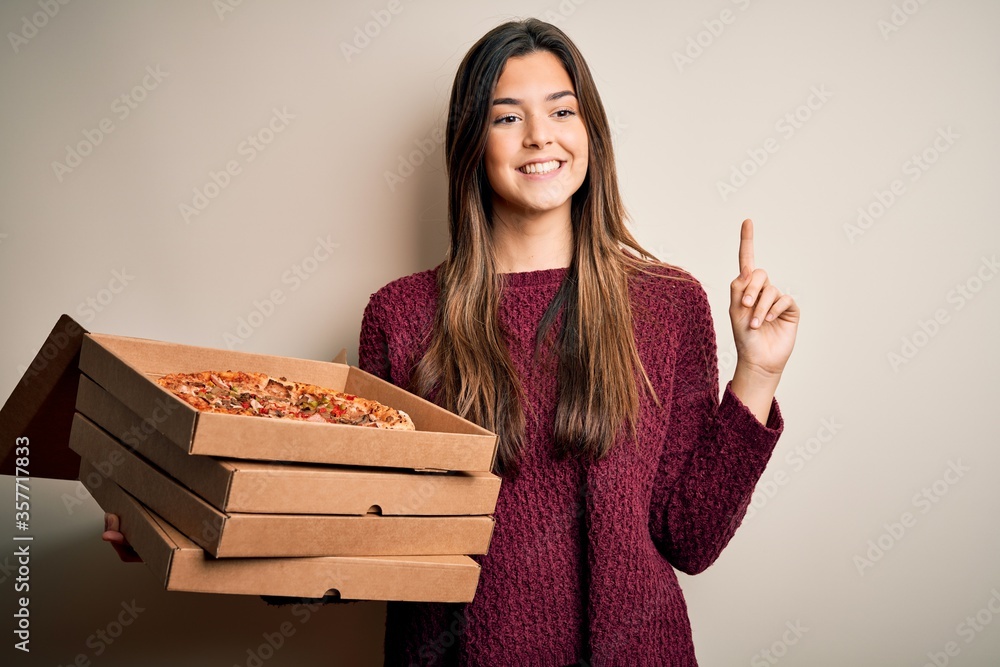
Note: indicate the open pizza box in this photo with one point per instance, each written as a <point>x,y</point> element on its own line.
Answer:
<point>262,535</point>
<point>42,403</point>
<point>126,368</point>
<point>180,565</point>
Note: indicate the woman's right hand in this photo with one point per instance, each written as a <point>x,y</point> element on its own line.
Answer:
<point>117,540</point>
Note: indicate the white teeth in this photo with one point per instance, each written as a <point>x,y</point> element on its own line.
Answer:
<point>540,167</point>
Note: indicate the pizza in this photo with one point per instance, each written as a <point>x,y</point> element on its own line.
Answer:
<point>261,395</point>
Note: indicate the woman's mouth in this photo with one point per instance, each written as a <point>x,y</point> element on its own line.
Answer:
<point>539,168</point>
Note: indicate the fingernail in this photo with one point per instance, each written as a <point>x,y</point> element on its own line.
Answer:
<point>748,300</point>
<point>107,523</point>
<point>755,323</point>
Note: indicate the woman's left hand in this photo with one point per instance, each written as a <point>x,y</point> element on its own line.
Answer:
<point>764,320</point>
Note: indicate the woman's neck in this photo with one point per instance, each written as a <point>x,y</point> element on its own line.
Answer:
<point>533,243</point>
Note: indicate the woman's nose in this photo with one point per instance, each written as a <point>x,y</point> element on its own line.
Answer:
<point>537,133</point>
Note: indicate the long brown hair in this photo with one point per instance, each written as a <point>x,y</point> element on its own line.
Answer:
<point>467,367</point>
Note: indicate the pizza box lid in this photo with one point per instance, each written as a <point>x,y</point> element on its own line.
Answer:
<point>41,406</point>
<point>181,565</point>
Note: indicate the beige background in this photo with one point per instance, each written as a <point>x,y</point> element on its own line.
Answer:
<point>892,79</point>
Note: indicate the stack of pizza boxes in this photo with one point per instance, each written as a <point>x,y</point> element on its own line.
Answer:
<point>239,504</point>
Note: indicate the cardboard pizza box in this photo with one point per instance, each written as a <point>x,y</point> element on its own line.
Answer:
<point>39,410</point>
<point>180,565</point>
<point>127,367</point>
<point>234,485</point>
<point>231,534</point>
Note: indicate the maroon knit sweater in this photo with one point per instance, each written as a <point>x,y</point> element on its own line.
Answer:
<point>581,564</point>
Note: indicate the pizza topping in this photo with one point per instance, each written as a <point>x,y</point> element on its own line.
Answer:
<point>258,394</point>
<point>276,389</point>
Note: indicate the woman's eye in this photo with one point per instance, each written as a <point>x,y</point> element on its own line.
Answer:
<point>502,120</point>
<point>565,113</point>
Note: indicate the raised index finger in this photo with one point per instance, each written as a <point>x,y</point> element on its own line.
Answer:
<point>746,247</point>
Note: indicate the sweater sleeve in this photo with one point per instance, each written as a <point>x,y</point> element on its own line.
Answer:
<point>373,347</point>
<point>714,454</point>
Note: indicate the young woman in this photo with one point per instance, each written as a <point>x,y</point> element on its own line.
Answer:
<point>549,324</point>
<point>596,365</point>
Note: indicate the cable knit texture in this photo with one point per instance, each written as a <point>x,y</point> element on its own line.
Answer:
<point>580,569</point>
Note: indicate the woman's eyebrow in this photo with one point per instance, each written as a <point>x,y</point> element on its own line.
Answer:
<point>516,102</point>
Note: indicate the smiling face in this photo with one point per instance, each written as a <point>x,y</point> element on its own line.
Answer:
<point>536,150</point>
